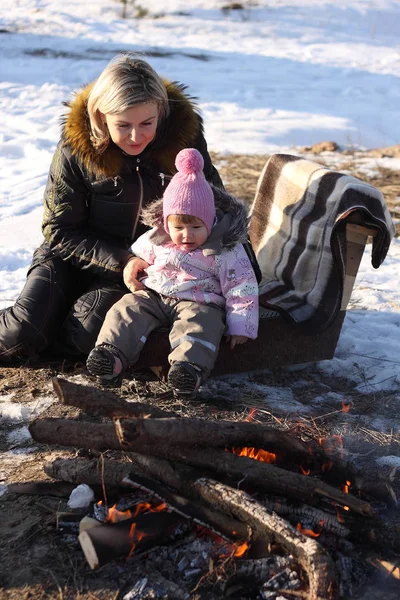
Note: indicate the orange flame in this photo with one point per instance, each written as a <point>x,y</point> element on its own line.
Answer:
<point>251,414</point>
<point>339,517</point>
<point>310,532</point>
<point>304,471</point>
<point>241,550</point>
<point>326,467</point>
<point>115,516</point>
<point>229,550</point>
<point>147,507</point>
<point>346,486</point>
<point>261,455</point>
<point>345,407</point>
<point>136,536</point>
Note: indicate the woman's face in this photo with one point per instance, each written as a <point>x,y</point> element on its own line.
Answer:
<point>134,128</point>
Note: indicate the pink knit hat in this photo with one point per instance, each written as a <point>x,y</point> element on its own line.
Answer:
<point>188,192</point>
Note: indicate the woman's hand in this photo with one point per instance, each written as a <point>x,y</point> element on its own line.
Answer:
<point>130,273</point>
<point>236,340</point>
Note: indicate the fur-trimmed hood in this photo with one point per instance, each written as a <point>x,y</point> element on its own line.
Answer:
<point>179,130</point>
<point>231,225</point>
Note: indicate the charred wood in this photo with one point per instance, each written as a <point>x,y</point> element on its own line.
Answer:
<point>311,556</point>
<point>221,524</point>
<point>303,512</point>
<point>191,432</point>
<point>261,476</point>
<point>369,483</point>
<point>245,574</point>
<point>107,542</point>
<point>102,402</point>
<point>261,568</point>
<point>375,533</point>
<point>380,535</point>
<point>155,585</point>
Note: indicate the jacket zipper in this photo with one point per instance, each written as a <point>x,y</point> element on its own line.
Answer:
<point>140,196</point>
<point>164,178</point>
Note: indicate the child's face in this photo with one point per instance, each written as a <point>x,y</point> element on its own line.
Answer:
<point>187,236</point>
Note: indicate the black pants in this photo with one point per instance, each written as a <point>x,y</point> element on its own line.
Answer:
<point>60,306</point>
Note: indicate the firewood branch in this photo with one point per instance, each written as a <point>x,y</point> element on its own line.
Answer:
<point>89,471</point>
<point>313,558</point>
<point>222,434</point>
<point>102,402</point>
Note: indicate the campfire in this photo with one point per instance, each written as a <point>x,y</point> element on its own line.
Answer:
<point>281,515</point>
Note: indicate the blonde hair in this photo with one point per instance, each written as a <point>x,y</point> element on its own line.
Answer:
<point>183,219</point>
<point>125,82</point>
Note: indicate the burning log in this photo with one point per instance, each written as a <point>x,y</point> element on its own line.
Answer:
<point>220,434</point>
<point>107,542</point>
<point>307,513</point>
<point>315,561</point>
<point>111,473</point>
<point>219,523</point>
<point>261,475</point>
<point>102,402</point>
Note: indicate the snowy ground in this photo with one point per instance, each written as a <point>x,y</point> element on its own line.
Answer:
<point>276,76</point>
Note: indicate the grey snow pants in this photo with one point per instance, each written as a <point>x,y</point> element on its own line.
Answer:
<point>195,334</point>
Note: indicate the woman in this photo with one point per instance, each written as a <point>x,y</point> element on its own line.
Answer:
<point>116,154</point>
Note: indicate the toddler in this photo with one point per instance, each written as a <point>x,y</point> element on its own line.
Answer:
<point>199,283</point>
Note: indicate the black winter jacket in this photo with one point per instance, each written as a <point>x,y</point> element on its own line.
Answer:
<point>93,201</point>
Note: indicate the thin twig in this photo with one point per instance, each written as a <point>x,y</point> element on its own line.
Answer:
<point>103,485</point>
<point>395,362</point>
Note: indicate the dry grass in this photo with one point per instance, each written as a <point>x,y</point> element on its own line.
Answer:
<point>240,173</point>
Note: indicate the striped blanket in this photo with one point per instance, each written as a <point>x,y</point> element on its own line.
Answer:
<point>297,231</point>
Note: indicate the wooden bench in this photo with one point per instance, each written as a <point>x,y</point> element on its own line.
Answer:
<point>279,343</point>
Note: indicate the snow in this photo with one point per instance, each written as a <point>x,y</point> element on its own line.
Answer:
<point>276,76</point>
<point>81,496</point>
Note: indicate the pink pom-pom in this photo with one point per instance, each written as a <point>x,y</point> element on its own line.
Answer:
<point>189,160</point>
